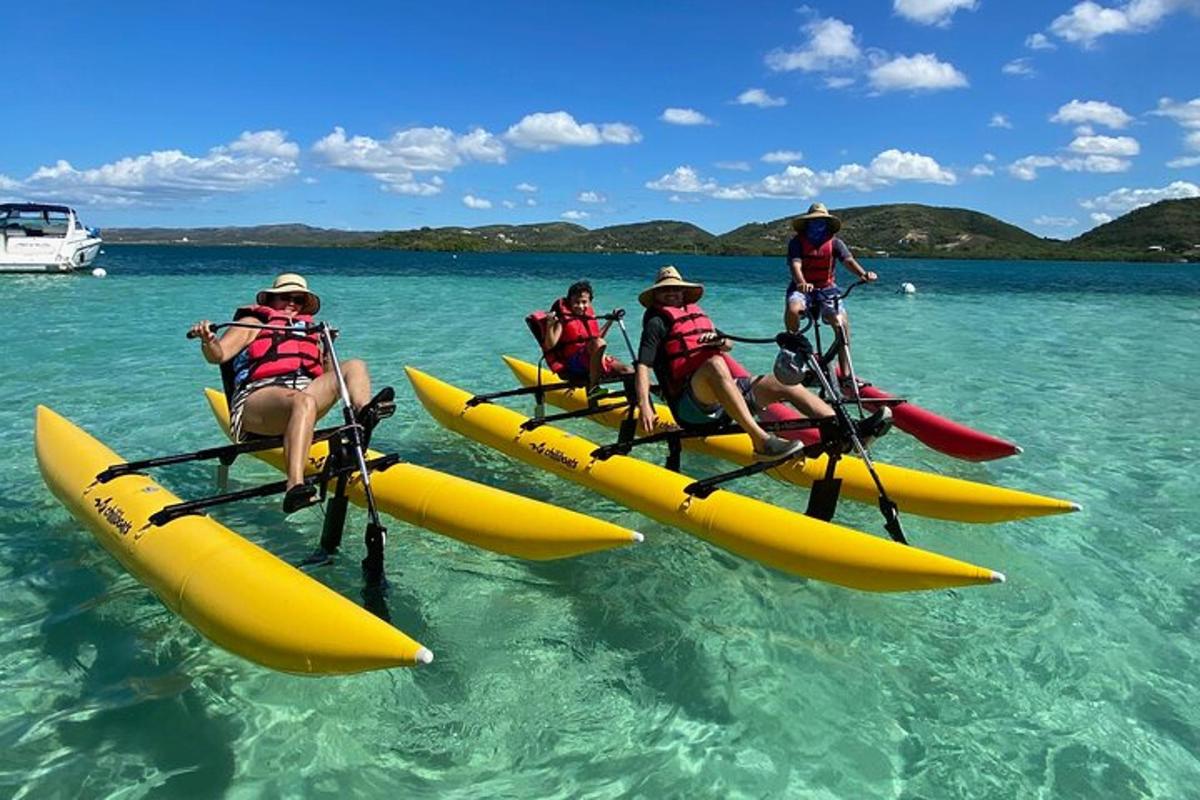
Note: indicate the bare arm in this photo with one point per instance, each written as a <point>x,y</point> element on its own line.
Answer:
<point>865,274</point>
<point>219,350</point>
<point>553,333</point>
<point>645,406</point>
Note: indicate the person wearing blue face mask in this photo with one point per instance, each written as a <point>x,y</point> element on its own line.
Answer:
<point>813,254</point>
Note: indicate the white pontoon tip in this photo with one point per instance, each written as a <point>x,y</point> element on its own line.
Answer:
<point>1076,507</point>
<point>424,656</point>
<point>638,537</point>
<point>998,577</point>
<point>1018,449</point>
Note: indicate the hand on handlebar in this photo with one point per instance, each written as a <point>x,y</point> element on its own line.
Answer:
<point>202,330</point>
<point>870,277</point>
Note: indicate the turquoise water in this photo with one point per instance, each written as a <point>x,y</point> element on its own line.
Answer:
<point>670,669</point>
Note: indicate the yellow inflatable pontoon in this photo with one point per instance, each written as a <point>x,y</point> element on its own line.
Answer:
<point>235,593</point>
<point>777,537</point>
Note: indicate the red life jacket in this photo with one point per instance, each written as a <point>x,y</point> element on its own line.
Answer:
<point>817,262</point>
<point>271,353</point>
<point>577,331</point>
<point>682,352</point>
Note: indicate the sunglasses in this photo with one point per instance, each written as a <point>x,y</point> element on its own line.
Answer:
<point>299,298</point>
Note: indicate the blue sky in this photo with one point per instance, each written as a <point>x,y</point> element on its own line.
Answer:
<point>1051,115</point>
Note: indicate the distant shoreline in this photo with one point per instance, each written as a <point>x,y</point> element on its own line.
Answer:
<point>1167,231</point>
<point>939,256</point>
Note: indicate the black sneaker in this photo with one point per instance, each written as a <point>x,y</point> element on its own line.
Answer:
<point>874,426</point>
<point>778,448</point>
<point>299,496</point>
<point>379,408</point>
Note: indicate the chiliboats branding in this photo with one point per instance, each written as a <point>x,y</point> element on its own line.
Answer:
<point>113,514</point>
<point>554,454</point>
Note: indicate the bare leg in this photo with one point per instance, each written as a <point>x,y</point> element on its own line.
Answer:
<point>596,348</point>
<point>769,390</point>
<point>713,383</point>
<point>275,410</point>
<point>792,315</point>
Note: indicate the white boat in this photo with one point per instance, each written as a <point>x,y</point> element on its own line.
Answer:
<point>35,237</point>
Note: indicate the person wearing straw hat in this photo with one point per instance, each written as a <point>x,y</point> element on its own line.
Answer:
<point>281,380</point>
<point>682,349</point>
<point>812,257</point>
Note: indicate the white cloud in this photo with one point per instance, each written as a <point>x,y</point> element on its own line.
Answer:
<point>529,201</point>
<point>783,156</point>
<point>471,201</point>
<point>591,197</point>
<point>1094,163</point>
<point>677,198</point>
<point>682,179</point>
<point>988,157</point>
<point>409,185</point>
<point>684,116</point>
<point>508,204</point>
<point>1026,168</point>
<point>982,171</point>
<point>1186,114</point>
<point>931,12</point>
<point>758,97</point>
<point>1089,112</point>
<point>526,187</point>
<point>920,72</point>
<point>803,182</point>
<point>265,144</point>
<point>904,166</point>
<point>1184,161</point>
<point>1120,146</point>
<point>1039,41</point>
<point>1088,21</point>
<point>1046,221</point>
<point>829,45</point>
<point>1099,217</point>
<point>999,121</point>
<point>1123,200</point>
<point>838,81</point>
<point>550,131</point>
<point>573,214</point>
<point>1019,66</point>
<point>1084,130</point>
<point>395,161</point>
<point>252,161</point>
<point>737,166</point>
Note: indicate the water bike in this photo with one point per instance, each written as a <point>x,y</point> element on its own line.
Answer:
<point>933,430</point>
<point>252,603</point>
<point>785,540</point>
<point>914,491</point>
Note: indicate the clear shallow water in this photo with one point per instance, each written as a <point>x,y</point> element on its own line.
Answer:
<point>669,669</point>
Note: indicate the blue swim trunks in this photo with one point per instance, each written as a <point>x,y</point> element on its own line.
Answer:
<point>690,412</point>
<point>828,299</point>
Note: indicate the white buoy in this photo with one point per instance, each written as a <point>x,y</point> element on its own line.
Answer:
<point>99,272</point>
<point>907,288</point>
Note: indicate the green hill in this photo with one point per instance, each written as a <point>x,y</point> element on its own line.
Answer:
<point>294,235</point>
<point>1173,225</point>
<point>904,230</point>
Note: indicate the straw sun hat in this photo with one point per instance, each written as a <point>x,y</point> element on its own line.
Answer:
<point>291,283</point>
<point>817,211</point>
<point>667,278</point>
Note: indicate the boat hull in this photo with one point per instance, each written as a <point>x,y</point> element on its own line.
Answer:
<point>479,515</point>
<point>774,536</point>
<point>238,595</point>
<point>915,492</point>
